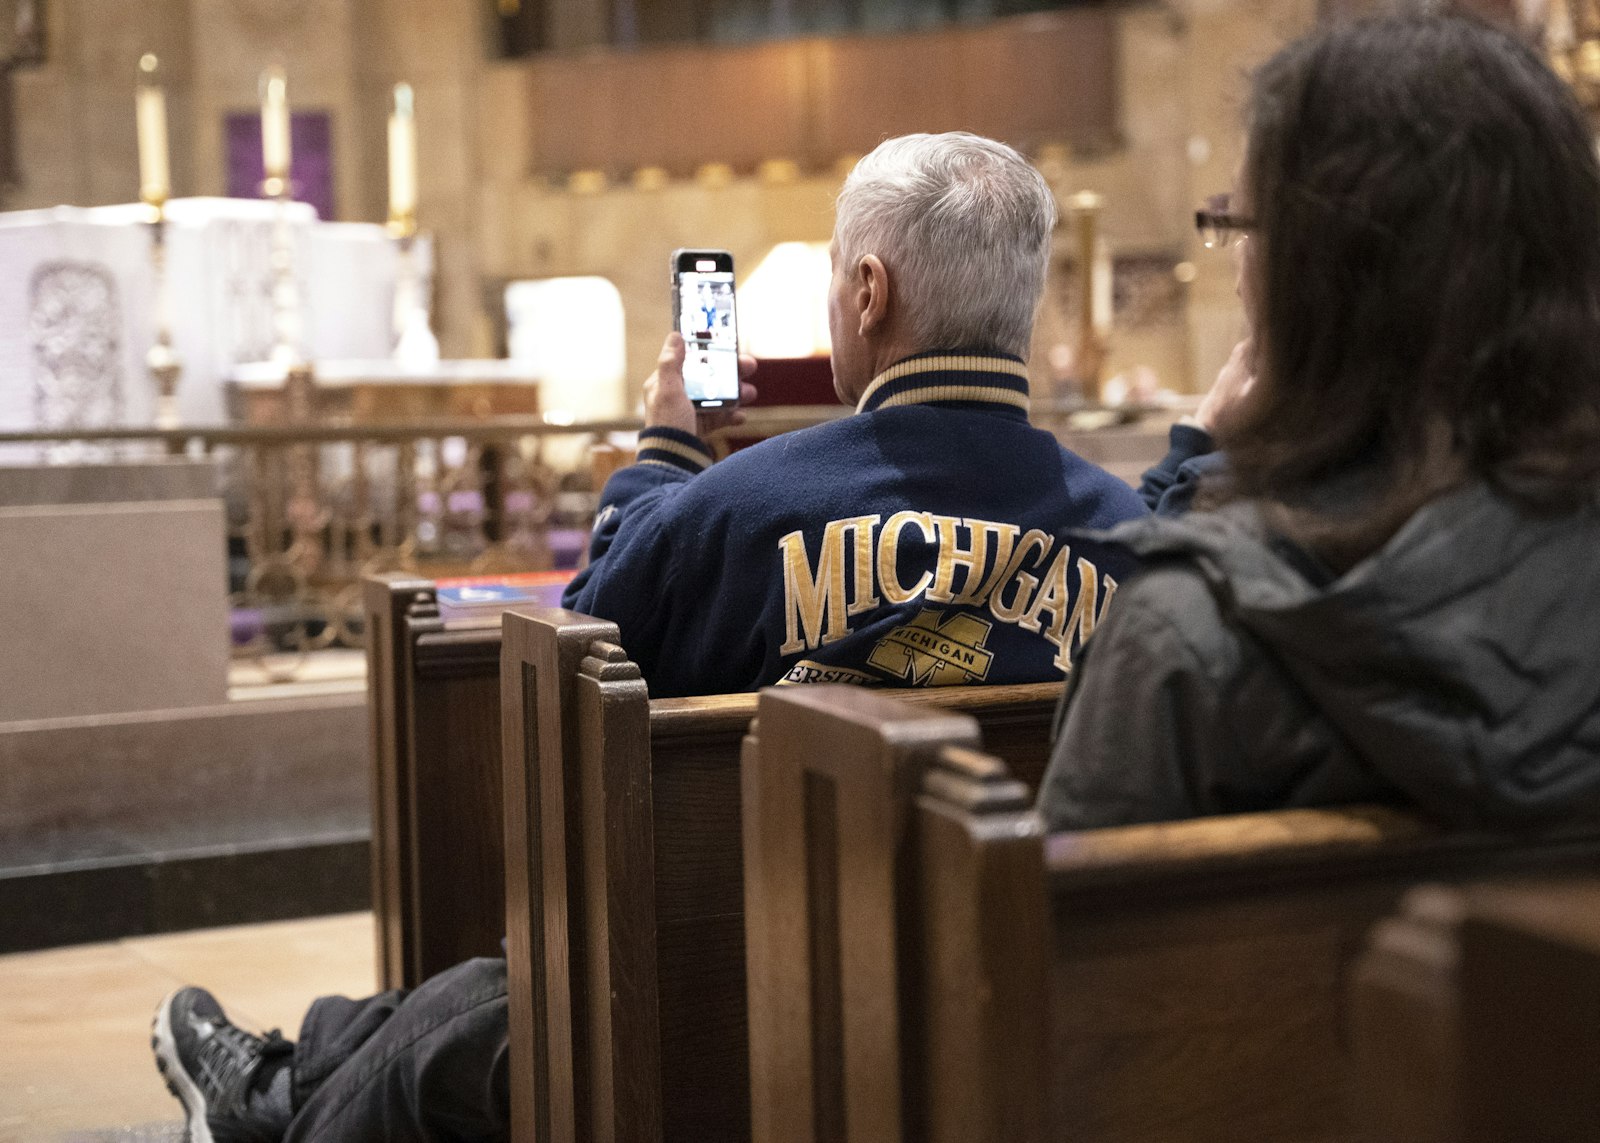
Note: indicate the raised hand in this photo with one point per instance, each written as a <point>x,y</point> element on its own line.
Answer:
<point>667,404</point>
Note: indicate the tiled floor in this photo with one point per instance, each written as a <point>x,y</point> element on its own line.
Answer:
<point>75,1023</point>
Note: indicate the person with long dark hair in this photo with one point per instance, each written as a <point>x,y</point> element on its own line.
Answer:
<point>1395,592</point>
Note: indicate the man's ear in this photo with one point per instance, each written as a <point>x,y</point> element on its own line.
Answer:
<point>872,298</point>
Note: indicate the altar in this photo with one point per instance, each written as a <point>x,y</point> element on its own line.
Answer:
<point>79,298</point>
<point>382,391</point>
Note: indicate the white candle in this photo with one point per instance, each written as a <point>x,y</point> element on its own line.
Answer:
<point>403,158</point>
<point>150,114</point>
<point>275,147</point>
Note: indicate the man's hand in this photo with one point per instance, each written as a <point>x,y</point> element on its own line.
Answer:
<point>1233,382</point>
<point>667,405</point>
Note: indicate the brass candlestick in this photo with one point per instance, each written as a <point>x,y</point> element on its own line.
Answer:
<point>277,151</point>
<point>162,360</point>
<point>155,186</point>
<point>1094,293</point>
<point>285,288</point>
<point>415,345</point>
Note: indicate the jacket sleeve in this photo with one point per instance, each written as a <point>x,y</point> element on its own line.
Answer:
<point>1169,487</point>
<point>631,548</point>
<point>667,458</point>
<point>1144,723</point>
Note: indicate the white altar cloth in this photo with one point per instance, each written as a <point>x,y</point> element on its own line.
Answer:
<point>78,304</point>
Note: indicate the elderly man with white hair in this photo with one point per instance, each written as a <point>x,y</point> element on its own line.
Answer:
<point>926,540</point>
<point>921,542</point>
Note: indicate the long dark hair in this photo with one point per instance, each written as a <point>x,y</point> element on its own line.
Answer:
<point>1427,200</point>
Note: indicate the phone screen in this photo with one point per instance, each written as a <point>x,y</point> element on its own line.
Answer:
<point>706,320</point>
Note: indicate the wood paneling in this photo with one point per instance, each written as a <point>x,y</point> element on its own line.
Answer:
<point>1478,1015</point>
<point>627,957</point>
<point>386,600</point>
<point>670,107</point>
<point>1027,80</point>
<point>1138,985</point>
<point>623,901</point>
<point>437,846</point>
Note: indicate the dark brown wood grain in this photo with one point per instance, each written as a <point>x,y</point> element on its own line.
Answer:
<point>551,1065</point>
<point>1204,992</point>
<point>385,600</point>
<point>978,1056</point>
<point>639,979</point>
<point>1043,78</point>
<point>1188,981</point>
<point>1530,1012</point>
<point>434,702</point>
<point>905,908</point>
<point>458,851</point>
<point>653,900</point>
<point>1478,1015</point>
<point>1405,1023</point>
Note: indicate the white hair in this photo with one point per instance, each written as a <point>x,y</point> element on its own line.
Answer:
<point>962,223</point>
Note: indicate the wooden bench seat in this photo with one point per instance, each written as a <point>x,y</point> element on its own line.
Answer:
<point>925,964</point>
<point>625,898</point>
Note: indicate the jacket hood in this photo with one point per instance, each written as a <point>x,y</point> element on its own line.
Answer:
<point>1461,660</point>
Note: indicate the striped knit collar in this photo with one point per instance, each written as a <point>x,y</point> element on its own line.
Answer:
<point>993,381</point>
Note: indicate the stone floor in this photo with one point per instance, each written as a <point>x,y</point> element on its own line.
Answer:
<point>75,1061</point>
<point>332,671</point>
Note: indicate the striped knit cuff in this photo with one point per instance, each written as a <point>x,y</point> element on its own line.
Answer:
<point>674,448</point>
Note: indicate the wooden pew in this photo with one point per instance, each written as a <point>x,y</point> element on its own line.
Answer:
<point>438,853</point>
<point>624,908</point>
<point>433,697</point>
<point>1477,1016</point>
<point>1403,1022</point>
<point>924,964</point>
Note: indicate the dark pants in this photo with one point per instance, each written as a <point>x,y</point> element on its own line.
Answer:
<point>425,1066</point>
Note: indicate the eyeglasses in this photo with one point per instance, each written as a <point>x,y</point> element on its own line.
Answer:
<point>1218,226</point>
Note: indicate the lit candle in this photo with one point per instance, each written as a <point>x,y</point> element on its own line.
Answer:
<point>403,160</point>
<point>150,113</point>
<point>275,152</point>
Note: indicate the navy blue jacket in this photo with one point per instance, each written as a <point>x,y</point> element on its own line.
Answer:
<point>1170,487</point>
<point>922,542</point>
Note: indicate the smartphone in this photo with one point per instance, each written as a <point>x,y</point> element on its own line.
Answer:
<point>702,311</point>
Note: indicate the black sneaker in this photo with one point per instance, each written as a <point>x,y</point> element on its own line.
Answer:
<point>217,1071</point>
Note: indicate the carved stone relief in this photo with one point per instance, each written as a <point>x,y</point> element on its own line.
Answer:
<point>74,320</point>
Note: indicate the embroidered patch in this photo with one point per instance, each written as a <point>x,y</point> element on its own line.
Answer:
<point>928,653</point>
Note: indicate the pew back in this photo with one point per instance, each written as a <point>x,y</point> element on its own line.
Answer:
<point>625,893</point>
<point>433,697</point>
<point>1185,980</point>
<point>1210,971</point>
<point>1478,1016</point>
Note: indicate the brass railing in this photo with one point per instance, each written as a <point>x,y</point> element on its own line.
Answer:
<point>311,509</point>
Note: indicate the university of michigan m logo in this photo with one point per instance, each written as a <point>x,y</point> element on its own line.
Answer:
<point>930,653</point>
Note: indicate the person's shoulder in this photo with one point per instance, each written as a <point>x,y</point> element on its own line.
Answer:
<point>1170,607</point>
<point>1117,499</point>
<point>1171,587</point>
<point>796,446</point>
<point>770,471</point>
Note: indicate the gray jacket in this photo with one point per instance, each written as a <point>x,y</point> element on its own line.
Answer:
<point>1457,668</point>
